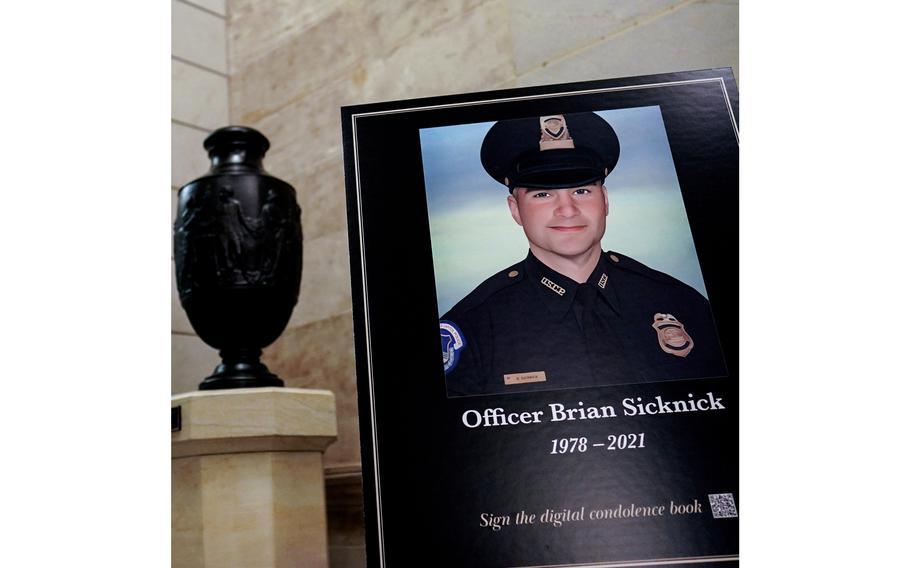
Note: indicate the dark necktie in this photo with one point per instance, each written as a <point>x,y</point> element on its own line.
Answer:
<point>584,305</point>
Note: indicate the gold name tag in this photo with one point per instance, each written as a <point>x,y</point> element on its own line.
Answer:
<point>522,378</point>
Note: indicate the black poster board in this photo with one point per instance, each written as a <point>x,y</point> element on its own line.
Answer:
<point>649,475</point>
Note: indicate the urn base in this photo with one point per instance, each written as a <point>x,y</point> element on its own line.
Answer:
<point>240,374</point>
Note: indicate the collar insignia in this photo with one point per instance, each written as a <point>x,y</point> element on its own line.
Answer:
<point>603,281</point>
<point>671,335</point>
<point>552,285</point>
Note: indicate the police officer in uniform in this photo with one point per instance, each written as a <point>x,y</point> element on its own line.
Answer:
<point>570,314</point>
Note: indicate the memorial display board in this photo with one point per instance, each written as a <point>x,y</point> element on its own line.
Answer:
<point>545,291</point>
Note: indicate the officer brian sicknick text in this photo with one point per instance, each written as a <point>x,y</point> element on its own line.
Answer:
<point>558,412</point>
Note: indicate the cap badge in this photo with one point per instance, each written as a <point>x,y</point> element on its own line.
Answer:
<point>603,281</point>
<point>554,133</point>
<point>552,285</point>
<point>671,335</point>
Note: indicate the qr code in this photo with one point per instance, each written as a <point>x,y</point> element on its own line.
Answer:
<point>722,505</point>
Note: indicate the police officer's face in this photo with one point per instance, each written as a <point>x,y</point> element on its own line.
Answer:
<point>566,222</point>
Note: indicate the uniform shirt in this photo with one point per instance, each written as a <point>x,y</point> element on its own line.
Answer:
<point>529,327</point>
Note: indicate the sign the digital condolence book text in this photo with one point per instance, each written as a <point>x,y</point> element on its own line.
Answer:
<point>546,473</point>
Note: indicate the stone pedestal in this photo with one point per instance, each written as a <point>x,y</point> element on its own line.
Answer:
<point>247,487</point>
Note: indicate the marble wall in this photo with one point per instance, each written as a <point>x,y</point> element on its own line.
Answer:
<point>290,65</point>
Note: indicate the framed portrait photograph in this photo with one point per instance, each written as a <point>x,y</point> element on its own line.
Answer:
<point>545,289</point>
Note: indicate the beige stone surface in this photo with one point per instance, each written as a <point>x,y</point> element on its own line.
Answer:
<point>217,6</point>
<point>262,509</point>
<point>545,30</point>
<point>187,546</point>
<point>469,53</point>
<point>321,355</point>
<point>198,96</point>
<point>694,36</point>
<point>325,287</point>
<point>298,66</point>
<point>247,478</point>
<point>324,204</point>
<point>237,509</point>
<point>320,190</point>
<point>255,419</point>
<point>509,83</point>
<point>310,127</point>
<point>191,361</point>
<point>300,514</point>
<point>274,70</point>
<point>257,27</point>
<point>395,23</point>
<point>198,36</point>
<point>188,158</point>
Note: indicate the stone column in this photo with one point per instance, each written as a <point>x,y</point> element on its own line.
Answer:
<point>247,487</point>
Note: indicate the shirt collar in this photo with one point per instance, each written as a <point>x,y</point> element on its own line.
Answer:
<point>602,278</point>
<point>557,292</point>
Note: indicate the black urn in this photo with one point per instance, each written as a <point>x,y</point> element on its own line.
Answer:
<point>238,247</point>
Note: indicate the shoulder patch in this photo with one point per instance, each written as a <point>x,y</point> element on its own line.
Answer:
<point>452,343</point>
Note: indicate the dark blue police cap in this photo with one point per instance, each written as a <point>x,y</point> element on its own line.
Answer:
<point>550,152</point>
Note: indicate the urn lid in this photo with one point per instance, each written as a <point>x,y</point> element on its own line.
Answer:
<point>236,146</point>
